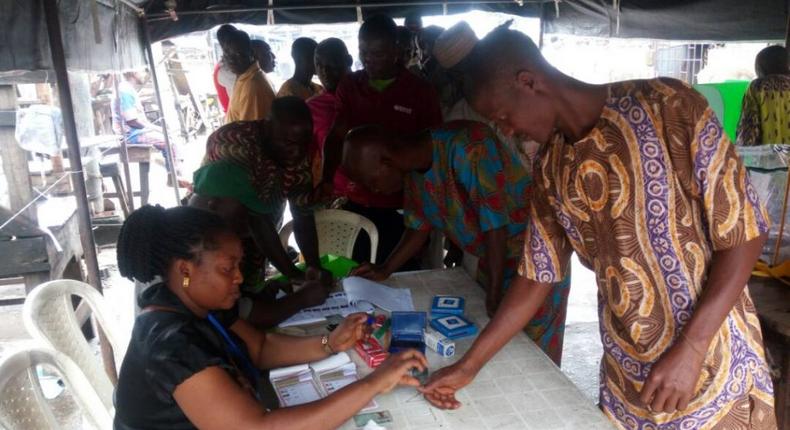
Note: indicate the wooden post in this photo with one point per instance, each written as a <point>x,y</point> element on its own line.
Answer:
<point>51,12</point>
<point>14,158</point>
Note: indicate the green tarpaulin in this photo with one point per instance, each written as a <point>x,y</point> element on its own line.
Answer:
<point>726,99</point>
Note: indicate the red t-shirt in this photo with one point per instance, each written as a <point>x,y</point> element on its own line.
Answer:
<point>323,108</point>
<point>408,105</point>
<point>222,93</point>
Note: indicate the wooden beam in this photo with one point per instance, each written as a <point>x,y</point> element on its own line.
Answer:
<point>52,18</point>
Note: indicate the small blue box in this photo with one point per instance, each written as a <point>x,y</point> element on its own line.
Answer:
<point>454,326</point>
<point>407,331</point>
<point>447,305</point>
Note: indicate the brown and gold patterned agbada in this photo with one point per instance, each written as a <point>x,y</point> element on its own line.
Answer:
<point>645,199</point>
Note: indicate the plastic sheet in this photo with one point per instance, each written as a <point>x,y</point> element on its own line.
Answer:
<point>767,166</point>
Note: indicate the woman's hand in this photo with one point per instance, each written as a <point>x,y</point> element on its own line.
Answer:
<point>374,272</point>
<point>354,328</point>
<point>396,370</point>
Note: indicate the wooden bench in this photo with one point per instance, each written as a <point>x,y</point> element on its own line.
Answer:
<point>140,154</point>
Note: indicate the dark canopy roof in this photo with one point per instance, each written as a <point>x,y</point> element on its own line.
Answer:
<point>661,19</point>
<point>672,19</point>
<point>204,14</point>
<point>105,34</point>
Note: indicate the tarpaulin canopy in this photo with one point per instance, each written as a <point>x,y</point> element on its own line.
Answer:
<point>98,35</point>
<point>661,19</point>
<point>715,20</point>
<point>204,14</point>
<point>105,34</point>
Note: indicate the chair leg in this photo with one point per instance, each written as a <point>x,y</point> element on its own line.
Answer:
<point>121,191</point>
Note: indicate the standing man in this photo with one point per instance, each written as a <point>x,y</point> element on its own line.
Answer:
<point>384,94</point>
<point>252,94</point>
<point>274,154</point>
<point>332,64</point>
<point>301,83</point>
<point>640,180</point>
<point>224,188</point>
<point>460,180</point>
<point>765,117</point>
<point>224,79</point>
<point>264,55</point>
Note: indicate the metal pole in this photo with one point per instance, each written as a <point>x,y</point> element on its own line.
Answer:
<point>72,140</point>
<point>152,66</point>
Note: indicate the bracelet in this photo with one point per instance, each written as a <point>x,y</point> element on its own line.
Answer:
<point>325,344</point>
<point>691,345</point>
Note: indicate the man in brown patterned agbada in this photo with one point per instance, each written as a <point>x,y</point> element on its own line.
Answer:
<point>639,179</point>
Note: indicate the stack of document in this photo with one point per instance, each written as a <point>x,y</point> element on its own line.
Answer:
<point>296,385</point>
<point>360,291</point>
<point>335,304</point>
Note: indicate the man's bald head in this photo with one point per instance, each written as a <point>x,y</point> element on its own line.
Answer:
<point>499,58</point>
<point>509,82</point>
<point>368,156</point>
<point>771,61</point>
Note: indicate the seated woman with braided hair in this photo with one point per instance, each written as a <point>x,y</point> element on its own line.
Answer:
<point>191,363</point>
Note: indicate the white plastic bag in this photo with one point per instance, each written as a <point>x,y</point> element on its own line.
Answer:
<point>39,128</point>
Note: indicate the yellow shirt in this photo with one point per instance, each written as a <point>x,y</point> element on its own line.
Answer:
<point>252,96</point>
<point>292,87</point>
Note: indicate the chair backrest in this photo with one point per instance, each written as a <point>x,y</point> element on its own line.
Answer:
<point>22,403</point>
<point>337,231</point>
<point>49,316</point>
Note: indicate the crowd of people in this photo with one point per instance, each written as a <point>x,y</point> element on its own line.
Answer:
<point>513,162</point>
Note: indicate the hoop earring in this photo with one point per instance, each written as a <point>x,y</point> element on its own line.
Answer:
<point>185,282</point>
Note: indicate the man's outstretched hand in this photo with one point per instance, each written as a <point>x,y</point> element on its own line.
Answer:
<point>441,388</point>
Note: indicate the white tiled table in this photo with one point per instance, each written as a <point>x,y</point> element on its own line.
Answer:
<point>520,388</point>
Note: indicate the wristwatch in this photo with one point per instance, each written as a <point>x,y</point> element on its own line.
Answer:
<point>325,344</point>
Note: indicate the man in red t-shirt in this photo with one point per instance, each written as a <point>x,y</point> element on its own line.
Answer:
<point>387,95</point>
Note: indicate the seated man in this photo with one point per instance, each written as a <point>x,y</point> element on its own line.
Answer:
<point>273,152</point>
<point>252,94</point>
<point>459,179</point>
<point>332,63</point>
<point>128,119</point>
<point>224,188</point>
<point>301,83</point>
<point>765,117</point>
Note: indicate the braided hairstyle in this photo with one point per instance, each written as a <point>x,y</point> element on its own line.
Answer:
<point>153,236</point>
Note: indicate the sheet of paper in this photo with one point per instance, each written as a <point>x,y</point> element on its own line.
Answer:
<point>360,290</point>
<point>335,304</point>
<point>330,363</point>
<point>294,385</point>
<point>293,391</point>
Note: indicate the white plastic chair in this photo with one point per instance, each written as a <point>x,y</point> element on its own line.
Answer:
<point>22,402</point>
<point>50,317</point>
<point>337,231</point>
